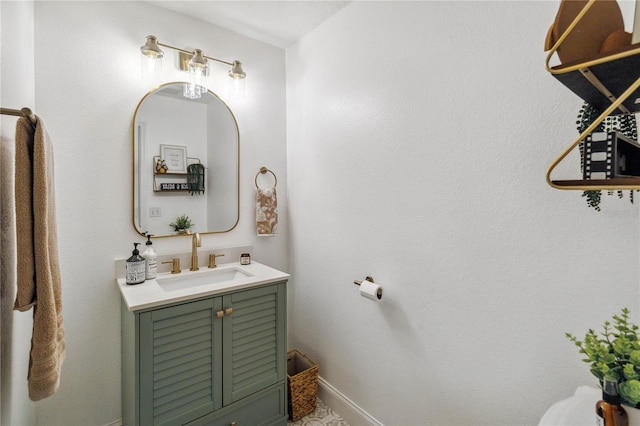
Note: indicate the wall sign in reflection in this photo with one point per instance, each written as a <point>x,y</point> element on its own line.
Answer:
<point>174,187</point>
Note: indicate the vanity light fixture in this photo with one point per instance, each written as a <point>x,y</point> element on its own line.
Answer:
<point>198,68</point>
<point>236,88</point>
<point>195,62</point>
<point>236,71</point>
<point>151,60</point>
<point>151,48</point>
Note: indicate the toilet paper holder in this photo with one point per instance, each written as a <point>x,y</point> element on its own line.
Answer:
<point>368,278</point>
<point>372,291</point>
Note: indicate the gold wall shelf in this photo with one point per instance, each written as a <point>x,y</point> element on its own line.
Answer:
<point>609,82</point>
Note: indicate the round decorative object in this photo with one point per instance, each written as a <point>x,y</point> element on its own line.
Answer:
<point>585,40</point>
<point>615,41</point>
<point>161,166</point>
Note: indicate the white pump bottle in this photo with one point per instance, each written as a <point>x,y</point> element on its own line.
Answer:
<point>151,259</point>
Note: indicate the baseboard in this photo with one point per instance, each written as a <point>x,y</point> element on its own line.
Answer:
<point>115,423</point>
<point>343,406</point>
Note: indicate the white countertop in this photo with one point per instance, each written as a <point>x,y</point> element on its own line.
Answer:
<point>150,294</point>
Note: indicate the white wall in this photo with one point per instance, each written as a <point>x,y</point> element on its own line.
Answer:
<point>431,181</point>
<point>16,91</point>
<point>87,77</point>
<point>419,134</point>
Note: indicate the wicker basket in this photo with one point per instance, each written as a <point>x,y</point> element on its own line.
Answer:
<point>302,376</point>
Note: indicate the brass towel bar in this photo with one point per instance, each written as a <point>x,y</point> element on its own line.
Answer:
<point>24,112</point>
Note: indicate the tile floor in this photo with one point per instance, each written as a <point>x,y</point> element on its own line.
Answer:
<point>323,416</point>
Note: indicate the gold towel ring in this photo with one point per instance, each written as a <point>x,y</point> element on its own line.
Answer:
<point>264,170</point>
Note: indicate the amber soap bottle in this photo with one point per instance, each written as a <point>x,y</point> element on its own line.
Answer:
<point>609,412</point>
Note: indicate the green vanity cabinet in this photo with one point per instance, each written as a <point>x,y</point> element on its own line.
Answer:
<point>219,360</point>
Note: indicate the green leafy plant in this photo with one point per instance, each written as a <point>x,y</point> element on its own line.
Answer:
<point>614,353</point>
<point>182,223</point>
<point>625,124</point>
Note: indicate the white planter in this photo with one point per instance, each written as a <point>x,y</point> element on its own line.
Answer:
<point>634,415</point>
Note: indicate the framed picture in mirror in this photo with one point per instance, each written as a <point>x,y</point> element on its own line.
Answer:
<point>175,158</point>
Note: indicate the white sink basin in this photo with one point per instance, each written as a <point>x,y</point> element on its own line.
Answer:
<point>168,288</point>
<point>196,279</point>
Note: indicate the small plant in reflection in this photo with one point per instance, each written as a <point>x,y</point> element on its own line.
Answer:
<point>182,224</point>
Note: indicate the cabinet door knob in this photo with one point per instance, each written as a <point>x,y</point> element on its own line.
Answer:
<point>233,424</point>
<point>228,311</point>
<point>219,314</point>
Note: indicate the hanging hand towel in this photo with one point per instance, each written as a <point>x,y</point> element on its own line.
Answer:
<point>266,212</point>
<point>38,269</point>
<point>195,178</point>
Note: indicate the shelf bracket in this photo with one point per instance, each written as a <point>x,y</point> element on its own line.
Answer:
<point>595,82</point>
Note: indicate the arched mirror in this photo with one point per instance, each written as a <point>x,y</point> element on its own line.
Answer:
<point>185,163</point>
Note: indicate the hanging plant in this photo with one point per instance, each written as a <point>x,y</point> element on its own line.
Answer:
<point>625,124</point>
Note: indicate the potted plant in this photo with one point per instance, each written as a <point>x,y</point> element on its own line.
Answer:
<point>615,353</point>
<point>182,224</point>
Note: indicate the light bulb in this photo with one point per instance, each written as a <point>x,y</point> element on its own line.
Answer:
<point>236,88</point>
<point>198,78</point>
<point>151,62</point>
<point>198,71</point>
<point>151,69</point>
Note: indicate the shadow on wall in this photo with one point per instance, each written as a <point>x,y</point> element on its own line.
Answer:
<point>402,327</point>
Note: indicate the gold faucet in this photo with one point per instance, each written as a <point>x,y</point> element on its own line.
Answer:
<point>175,265</point>
<point>195,243</point>
<point>212,260</point>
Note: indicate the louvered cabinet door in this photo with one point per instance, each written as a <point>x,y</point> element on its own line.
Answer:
<point>254,336</point>
<point>180,362</point>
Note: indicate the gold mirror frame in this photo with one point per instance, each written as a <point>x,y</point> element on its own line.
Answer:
<point>134,166</point>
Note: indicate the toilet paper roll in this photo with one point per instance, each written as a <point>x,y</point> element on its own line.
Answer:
<point>371,290</point>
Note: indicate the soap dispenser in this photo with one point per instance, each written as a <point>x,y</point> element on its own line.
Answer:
<point>609,412</point>
<point>151,259</point>
<point>135,266</point>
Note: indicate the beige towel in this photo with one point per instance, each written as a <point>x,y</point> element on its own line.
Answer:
<point>38,274</point>
<point>266,212</point>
